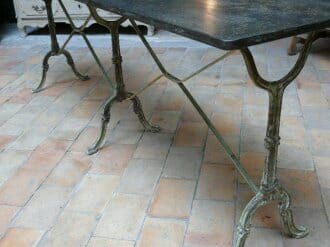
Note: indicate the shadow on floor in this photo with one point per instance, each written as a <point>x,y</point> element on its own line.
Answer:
<point>63,28</point>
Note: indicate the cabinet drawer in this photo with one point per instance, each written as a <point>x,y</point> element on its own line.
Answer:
<point>35,8</point>
<point>75,8</point>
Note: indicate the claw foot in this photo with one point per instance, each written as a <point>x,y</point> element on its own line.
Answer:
<point>92,150</point>
<point>137,108</point>
<point>153,129</point>
<point>290,228</point>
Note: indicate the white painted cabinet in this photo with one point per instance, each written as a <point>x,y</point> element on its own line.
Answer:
<point>32,14</point>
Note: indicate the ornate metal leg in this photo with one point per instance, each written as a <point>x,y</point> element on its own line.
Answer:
<point>137,108</point>
<point>73,66</point>
<point>120,94</point>
<point>269,188</point>
<point>45,67</point>
<point>244,225</point>
<point>55,50</point>
<point>117,61</point>
<point>105,121</point>
<point>290,228</point>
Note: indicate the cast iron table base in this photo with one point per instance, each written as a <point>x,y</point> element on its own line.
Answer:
<point>270,188</point>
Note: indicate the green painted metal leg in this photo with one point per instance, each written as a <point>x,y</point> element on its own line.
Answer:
<point>55,50</point>
<point>244,225</point>
<point>290,228</point>
<point>45,68</point>
<point>137,107</point>
<point>121,93</point>
<point>105,121</point>
<point>260,199</point>
<point>73,66</point>
<point>270,189</point>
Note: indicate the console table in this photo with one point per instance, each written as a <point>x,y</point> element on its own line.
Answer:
<point>224,24</point>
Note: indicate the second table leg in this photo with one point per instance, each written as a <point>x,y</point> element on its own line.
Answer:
<point>120,94</point>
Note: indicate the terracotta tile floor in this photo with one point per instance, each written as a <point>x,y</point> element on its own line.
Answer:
<point>174,188</point>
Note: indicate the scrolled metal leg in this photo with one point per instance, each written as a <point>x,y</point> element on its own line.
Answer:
<point>244,225</point>
<point>137,108</point>
<point>73,66</point>
<point>113,27</point>
<point>290,228</point>
<point>105,121</point>
<point>55,49</point>
<point>45,68</point>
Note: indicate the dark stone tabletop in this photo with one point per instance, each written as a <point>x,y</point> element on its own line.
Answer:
<point>226,24</point>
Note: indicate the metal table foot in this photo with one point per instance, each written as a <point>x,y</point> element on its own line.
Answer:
<point>290,228</point>
<point>105,121</point>
<point>137,107</point>
<point>55,50</point>
<point>261,199</point>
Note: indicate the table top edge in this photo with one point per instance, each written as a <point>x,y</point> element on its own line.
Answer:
<point>218,43</point>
